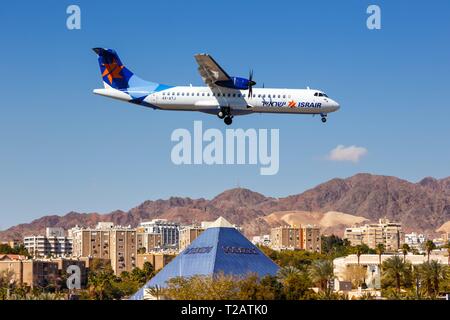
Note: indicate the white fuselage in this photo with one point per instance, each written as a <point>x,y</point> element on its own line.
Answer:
<point>263,100</point>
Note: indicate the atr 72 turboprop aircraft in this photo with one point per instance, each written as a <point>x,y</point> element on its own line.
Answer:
<point>224,96</point>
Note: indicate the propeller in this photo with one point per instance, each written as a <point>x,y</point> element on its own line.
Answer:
<point>251,83</point>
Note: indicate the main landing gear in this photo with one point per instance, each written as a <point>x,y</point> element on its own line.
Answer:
<point>225,114</point>
<point>324,117</point>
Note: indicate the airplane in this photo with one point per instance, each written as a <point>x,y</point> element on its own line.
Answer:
<point>223,96</point>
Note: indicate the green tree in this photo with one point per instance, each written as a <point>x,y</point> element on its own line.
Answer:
<point>429,246</point>
<point>296,283</point>
<point>380,249</point>
<point>358,252</point>
<point>433,274</point>
<point>321,272</point>
<point>397,271</point>
<point>405,250</point>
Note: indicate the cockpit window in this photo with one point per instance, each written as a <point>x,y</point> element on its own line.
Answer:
<point>325,95</point>
<point>320,94</point>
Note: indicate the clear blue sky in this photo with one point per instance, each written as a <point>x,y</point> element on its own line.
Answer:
<point>63,148</point>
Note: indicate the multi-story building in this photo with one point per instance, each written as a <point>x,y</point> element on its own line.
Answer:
<point>53,244</point>
<point>296,238</point>
<point>106,241</point>
<point>123,250</point>
<point>39,272</point>
<point>188,234</point>
<point>33,273</point>
<point>414,240</point>
<point>388,233</point>
<point>354,235</point>
<point>169,231</point>
<point>311,238</point>
<point>286,237</point>
<point>148,242</point>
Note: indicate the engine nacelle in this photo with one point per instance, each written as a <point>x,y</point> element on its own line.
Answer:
<point>236,83</point>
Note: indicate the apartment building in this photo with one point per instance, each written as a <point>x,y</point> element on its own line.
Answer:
<point>123,250</point>
<point>187,235</point>
<point>388,233</point>
<point>148,242</point>
<point>106,241</point>
<point>168,230</point>
<point>33,273</point>
<point>311,240</point>
<point>53,244</point>
<point>296,238</point>
<point>286,237</point>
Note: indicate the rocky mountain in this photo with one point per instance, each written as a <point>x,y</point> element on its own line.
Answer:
<point>422,206</point>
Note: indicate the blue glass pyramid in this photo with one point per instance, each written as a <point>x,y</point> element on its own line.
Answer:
<point>216,250</point>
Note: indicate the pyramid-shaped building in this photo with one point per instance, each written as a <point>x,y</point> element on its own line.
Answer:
<point>220,248</point>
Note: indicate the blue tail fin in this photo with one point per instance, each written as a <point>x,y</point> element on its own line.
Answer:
<point>114,73</point>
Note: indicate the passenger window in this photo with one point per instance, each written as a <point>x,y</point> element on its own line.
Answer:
<point>203,94</point>
<point>259,96</point>
<point>284,96</point>
<point>279,96</point>
<point>234,94</point>
<point>178,93</point>
<point>229,94</point>
<point>207,94</point>
<point>243,95</point>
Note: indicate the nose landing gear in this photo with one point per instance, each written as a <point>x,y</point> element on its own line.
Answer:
<point>324,117</point>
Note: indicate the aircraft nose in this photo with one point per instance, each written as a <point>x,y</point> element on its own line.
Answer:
<point>335,105</point>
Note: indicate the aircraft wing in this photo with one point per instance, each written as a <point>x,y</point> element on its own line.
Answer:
<point>210,70</point>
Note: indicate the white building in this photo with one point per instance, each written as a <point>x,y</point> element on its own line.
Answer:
<point>53,244</point>
<point>263,240</point>
<point>169,230</point>
<point>372,264</point>
<point>414,240</point>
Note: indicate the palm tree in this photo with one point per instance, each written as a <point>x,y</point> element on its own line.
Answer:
<point>380,250</point>
<point>396,269</point>
<point>156,291</point>
<point>405,250</point>
<point>433,273</point>
<point>359,250</point>
<point>429,246</point>
<point>322,272</point>
<point>287,272</point>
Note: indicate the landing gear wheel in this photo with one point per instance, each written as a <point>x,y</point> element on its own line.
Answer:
<point>324,119</point>
<point>221,114</point>
<point>228,120</point>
